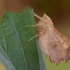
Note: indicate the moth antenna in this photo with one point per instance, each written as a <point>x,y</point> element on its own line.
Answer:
<point>35,36</point>
<point>32,25</point>
<point>38,17</point>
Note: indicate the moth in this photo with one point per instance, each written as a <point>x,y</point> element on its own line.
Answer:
<point>53,44</point>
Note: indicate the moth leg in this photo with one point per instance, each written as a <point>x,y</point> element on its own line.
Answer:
<point>32,25</point>
<point>36,36</point>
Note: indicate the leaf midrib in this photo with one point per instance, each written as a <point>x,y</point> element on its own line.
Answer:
<point>18,39</point>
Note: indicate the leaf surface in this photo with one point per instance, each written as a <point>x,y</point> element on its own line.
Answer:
<point>5,61</point>
<point>14,40</point>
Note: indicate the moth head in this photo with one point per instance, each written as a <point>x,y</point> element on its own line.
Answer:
<point>47,20</point>
<point>45,23</point>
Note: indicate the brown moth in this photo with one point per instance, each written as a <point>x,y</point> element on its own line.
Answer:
<point>53,44</point>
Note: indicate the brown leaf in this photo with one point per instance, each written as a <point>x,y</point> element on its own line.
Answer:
<point>53,44</point>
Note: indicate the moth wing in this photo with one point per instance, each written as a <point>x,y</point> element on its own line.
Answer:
<point>64,38</point>
<point>67,41</point>
<point>52,47</point>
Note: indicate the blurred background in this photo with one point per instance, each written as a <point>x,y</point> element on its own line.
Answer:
<point>57,10</point>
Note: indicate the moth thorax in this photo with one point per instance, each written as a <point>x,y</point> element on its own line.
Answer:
<point>42,28</point>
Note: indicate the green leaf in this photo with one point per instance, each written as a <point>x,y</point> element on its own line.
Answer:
<point>41,60</point>
<point>14,40</point>
<point>5,60</point>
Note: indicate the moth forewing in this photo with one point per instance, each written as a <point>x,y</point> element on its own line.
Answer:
<point>65,39</point>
